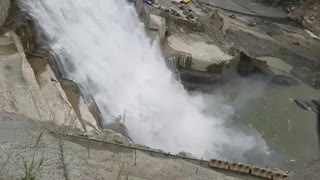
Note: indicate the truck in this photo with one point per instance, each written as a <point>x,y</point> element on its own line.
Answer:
<point>185,1</point>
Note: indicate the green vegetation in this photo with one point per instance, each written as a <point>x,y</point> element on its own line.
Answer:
<point>31,169</point>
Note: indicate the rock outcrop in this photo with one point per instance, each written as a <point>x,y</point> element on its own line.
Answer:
<point>203,53</point>
<point>90,118</point>
<point>30,88</point>
<point>142,10</point>
<point>77,97</point>
<point>309,75</point>
<point>284,80</point>
<point>308,105</point>
<point>249,66</point>
<point>186,155</point>
<point>108,135</point>
<point>158,25</point>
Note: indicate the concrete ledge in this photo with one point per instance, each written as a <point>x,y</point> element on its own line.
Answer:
<point>260,172</point>
<point>244,168</point>
<point>247,169</point>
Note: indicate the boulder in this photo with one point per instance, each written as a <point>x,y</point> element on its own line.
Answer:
<point>186,155</point>
<point>198,77</point>
<point>284,80</point>
<point>86,117</point>
<point>301,72</point>
<point>119,127</point>
<point>92,106</point>
<point>316,81</point>
<point>107,135</point>
<point>158,24</point>
<point>308,105</point>
<point>4,9</point>
<point>307,75</point>
<point>249,66</point>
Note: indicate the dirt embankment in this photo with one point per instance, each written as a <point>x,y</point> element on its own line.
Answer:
<point>306,12</point>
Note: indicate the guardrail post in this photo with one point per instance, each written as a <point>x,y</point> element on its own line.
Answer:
<point>135,157</point>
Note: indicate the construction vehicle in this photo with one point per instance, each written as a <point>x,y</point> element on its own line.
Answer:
<point>185,1</point>
<point>153,3</point>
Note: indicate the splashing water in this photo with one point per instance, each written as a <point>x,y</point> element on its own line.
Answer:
<point>103,46</point>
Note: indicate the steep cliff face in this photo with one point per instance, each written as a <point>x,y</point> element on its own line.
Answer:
<point>4,8</point>
<point>29,87</point>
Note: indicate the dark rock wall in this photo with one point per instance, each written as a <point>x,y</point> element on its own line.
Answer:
<point>4,9</point>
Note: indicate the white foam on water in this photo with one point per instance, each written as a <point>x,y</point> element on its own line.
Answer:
<point>103,46</point>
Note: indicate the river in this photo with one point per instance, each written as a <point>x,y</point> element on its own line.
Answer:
<point>289,131</point>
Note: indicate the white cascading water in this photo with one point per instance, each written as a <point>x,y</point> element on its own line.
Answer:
<point>103,46</point>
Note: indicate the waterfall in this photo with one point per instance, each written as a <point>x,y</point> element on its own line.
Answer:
<point>103,46</point>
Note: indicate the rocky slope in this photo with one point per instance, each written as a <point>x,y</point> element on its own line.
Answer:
<point>305,12</point>
<point>221,35</point>
<point>308,14</point>
<point>30,88</point>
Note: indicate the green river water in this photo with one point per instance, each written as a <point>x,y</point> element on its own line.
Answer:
<point>289,131</point>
